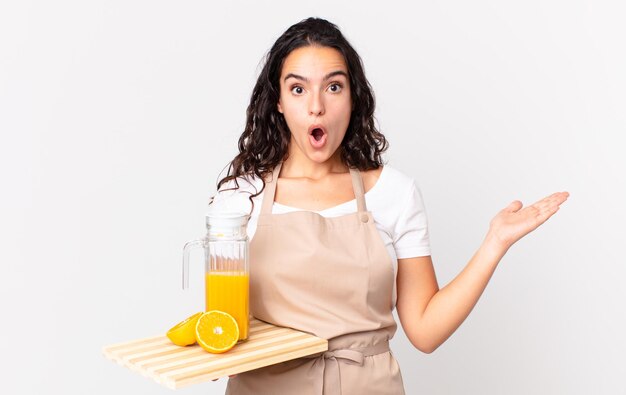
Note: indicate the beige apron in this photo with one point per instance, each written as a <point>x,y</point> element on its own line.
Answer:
<point>331,277</point>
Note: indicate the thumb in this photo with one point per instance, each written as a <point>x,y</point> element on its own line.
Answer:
<point>513,207</point>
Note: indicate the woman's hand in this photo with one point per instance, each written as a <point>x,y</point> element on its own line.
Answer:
<point>230,376</point>
<point>515,222</point>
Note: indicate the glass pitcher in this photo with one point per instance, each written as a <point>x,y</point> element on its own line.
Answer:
<point>227,271</point>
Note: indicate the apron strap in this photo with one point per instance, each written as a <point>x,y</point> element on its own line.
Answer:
<point>270,190</point>
<point>359,190</point>
<point>329,362</point>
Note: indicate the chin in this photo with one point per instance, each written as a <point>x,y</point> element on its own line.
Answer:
<point>319,157</point>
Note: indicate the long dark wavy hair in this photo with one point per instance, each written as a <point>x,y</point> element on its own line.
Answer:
<point>265,140</point>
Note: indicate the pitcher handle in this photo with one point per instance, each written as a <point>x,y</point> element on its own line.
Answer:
<point>186,249</point>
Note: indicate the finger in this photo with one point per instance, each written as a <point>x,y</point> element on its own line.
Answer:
<point>230,375</point>
<point>513,207</point>
<point>557,197</point>
<point>544,204</point>
<point>549,202</point>
<point>544,215</point>
<point>540,213</point>
<point>562,197</point>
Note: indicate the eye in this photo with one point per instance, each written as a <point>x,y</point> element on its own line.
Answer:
<point>335,87</point>
<point>297,90</point>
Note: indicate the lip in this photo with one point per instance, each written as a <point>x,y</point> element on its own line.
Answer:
<point>317,126</point>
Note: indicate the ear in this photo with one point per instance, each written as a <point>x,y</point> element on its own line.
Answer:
<point>280,108</point>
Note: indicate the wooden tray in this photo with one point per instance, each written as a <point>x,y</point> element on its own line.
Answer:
<point>175,367</point>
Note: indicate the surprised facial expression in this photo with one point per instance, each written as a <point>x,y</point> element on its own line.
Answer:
<point>315,100</point>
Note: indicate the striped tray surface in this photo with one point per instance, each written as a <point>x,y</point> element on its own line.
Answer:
<point>175,367</point>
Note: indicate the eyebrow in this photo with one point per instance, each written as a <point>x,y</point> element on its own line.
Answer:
<point>326,77</point>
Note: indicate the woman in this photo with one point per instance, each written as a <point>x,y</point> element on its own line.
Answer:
<point>337,239</point>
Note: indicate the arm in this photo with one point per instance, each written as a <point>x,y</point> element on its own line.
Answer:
<point>429,315</point>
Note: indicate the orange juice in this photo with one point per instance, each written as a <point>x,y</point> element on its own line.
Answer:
<point>228,291</point>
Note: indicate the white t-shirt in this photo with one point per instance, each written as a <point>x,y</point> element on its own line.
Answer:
<point>395,202</point>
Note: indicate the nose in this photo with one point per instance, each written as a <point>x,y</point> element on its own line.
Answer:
<point>316,104</point>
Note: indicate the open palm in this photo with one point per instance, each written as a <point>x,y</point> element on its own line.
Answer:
<point>514,222</point>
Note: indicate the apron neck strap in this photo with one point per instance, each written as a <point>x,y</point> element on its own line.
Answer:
<point>359,190</point>
<point>270,190</point>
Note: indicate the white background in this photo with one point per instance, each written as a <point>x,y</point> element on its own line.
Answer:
<point>117,116</point>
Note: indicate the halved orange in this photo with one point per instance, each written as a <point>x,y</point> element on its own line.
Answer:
<point>217,331</point>
<point>184,333</point>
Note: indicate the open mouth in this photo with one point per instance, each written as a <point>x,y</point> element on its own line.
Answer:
<point>317,134</point>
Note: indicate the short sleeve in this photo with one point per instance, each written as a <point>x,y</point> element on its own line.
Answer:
<point>410,236</point>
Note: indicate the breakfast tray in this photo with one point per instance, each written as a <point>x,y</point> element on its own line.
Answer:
<point>176,367</point>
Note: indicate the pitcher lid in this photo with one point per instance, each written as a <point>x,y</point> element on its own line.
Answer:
<point>222,219</point>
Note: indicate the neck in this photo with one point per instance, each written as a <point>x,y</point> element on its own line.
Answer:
<point>298,165</point>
